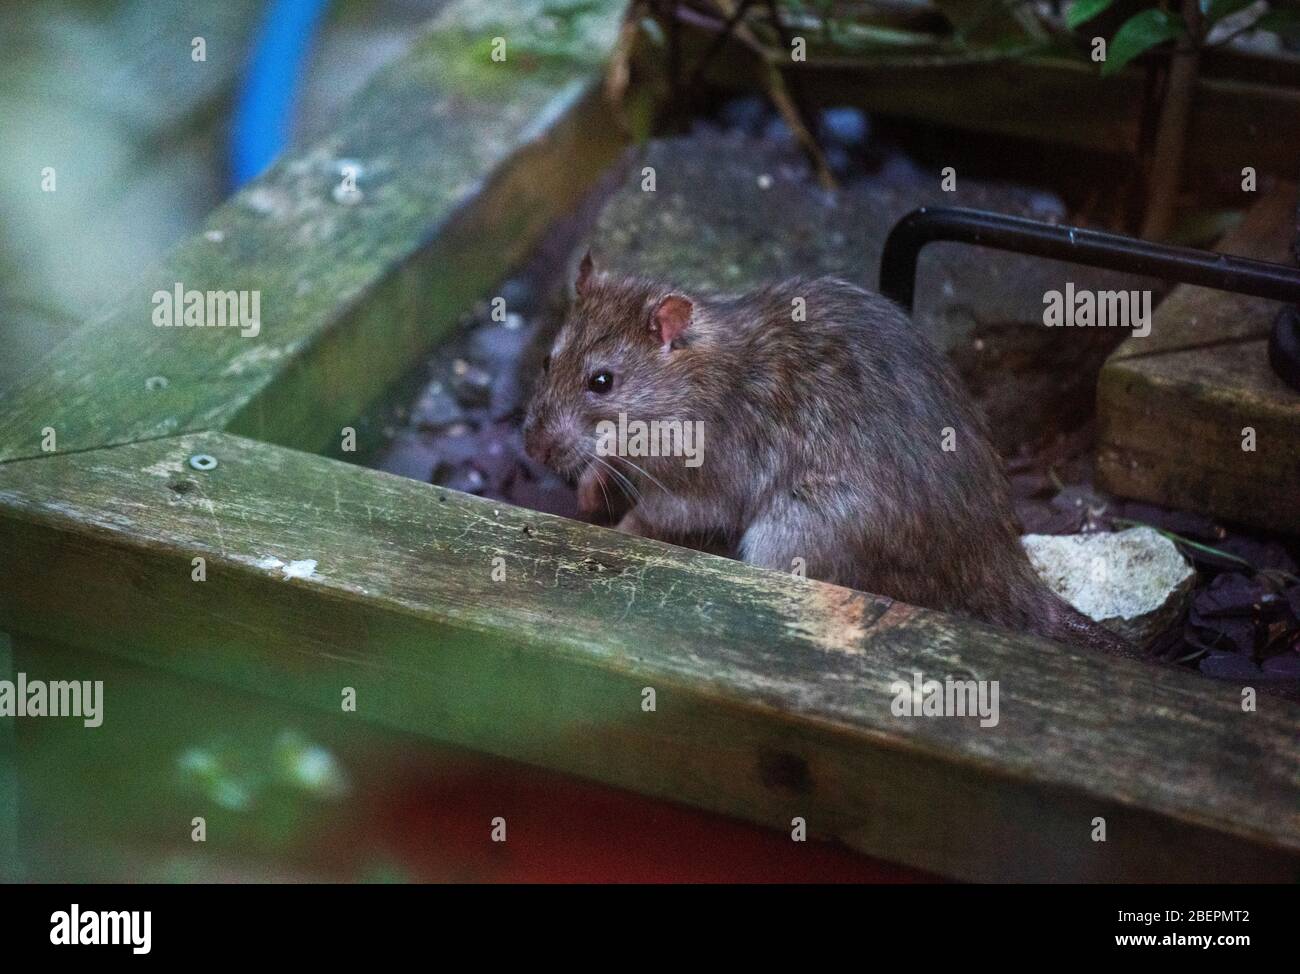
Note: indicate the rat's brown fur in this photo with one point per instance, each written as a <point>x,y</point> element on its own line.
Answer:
<point>823,440</point>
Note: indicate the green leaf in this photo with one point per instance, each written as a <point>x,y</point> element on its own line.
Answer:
<point>1215,10</point>
<point>1140,33</point>
<point>1284,23</point>
<point>1082,11</point>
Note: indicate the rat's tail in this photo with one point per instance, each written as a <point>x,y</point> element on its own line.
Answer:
<point>1059,620</point>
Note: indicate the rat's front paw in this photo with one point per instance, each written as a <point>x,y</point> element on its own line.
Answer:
<point>632,524</point>
<point>592,492</point>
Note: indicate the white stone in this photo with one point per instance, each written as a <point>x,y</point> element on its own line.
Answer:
<point>1135,581</point>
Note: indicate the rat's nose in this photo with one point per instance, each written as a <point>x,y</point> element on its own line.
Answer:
<point>538,443</point>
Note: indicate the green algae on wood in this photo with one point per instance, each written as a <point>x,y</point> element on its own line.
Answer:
<point>455,179</point>
<point>548,664</point>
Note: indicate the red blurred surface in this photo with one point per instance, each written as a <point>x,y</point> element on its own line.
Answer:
<point>560,829</point>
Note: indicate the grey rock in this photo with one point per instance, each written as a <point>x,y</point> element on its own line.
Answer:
<point>778,132</point>
<point>463,478</point>
<point>1229,666</point>
<point>838,160</point>
<point>1286,665</point>
<point>497,460</point>
<point>457,447</point>
<point>410,454</point>
<point>747,113</point>
<point>521,297</point>
<point>507,395</point>
<point>471,384</point>
<point>436,408</point>
<point>1135,582</point>
<point>499,344</point>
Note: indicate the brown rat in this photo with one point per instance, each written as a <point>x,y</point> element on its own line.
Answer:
<point>833,432</point>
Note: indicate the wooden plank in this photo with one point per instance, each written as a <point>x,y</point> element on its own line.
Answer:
<point>1171,431</point>
<point>1173,406</point>
<point>1192,317</point>
<point>373,281</point>
<point>773,694</point>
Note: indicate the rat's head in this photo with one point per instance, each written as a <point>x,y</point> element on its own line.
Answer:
<point>627,346</point>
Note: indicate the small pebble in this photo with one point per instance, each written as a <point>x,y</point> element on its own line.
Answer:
<point>520,296</point>
<point>1287,665</point>
<point>462,478</point>
<point>457,447</point>
<point>410,454</point>
<point>507,397</point>
<point>471,384</point>
<point>748,114</point>
<point>500,344</point>
<point>849,127</point>
<point>496,460</point>
<point>436,408</point>
<point>777,131</point>
<point>1229,666</point>
<point>838,160</point>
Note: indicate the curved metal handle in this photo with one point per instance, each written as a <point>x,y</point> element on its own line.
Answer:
<point>1114,251</point>
<point>1077,245</point>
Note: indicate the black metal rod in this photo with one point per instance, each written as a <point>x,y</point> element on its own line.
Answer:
<point>1184,265</point>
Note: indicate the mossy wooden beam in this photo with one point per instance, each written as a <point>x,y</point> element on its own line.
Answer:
<point>535,637</point>
<point>1191,415</point>
<point>460,161</point>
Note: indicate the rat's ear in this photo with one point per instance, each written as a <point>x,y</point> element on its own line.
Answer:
<point>670,317</point>
<point>585,269</point>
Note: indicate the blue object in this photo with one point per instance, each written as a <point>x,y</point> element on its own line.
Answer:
<point>850,127</point>
<point>264,107</point>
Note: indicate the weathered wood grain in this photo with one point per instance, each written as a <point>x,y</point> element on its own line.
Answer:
<point>773,694</point>
<point>1173,406</point>
<point>371,282</point>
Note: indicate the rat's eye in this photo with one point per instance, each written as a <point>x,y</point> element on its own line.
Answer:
<point>601,382</point>
<point>546,364</point>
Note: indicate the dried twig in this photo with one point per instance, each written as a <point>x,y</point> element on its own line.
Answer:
<point>786,104</point>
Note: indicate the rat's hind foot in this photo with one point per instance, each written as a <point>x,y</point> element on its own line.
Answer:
<point>631,523</point>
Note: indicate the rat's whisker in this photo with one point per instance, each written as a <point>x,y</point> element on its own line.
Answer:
<point>604,493</point>
<point>641,470</point>
<point>624,478</point>
<point>626,485</point>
